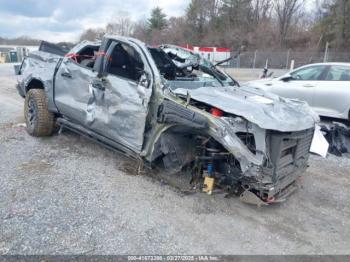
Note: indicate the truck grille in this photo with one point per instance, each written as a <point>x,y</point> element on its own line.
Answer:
<point>288,153</point>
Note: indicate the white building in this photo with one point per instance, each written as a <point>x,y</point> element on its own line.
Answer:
<point>213,54</point>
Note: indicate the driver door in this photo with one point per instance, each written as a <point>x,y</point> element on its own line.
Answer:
<point>118,106</point>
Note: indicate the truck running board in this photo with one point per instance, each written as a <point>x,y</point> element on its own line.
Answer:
<point>102,140</point>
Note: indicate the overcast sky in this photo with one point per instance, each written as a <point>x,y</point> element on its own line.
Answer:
<point>64,20</point>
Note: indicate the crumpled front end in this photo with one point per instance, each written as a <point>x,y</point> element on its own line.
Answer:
<point>227,152</point>
<point>286,160</point>
<point>267,163</point>
<point>238,138</point>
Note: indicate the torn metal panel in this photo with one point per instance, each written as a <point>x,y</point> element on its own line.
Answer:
<point>268,112</point>
<point>72,90</point>
<point>178,151</point>
<point>119,110</point>
<point>172,113</point>
<point>251,198</point>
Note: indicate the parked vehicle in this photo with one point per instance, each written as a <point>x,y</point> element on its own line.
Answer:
<point>167,105</point>
<point>324,86</point>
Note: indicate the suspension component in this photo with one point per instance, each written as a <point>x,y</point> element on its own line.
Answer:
<point>211,151</point>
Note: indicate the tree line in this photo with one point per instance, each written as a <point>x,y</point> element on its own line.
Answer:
<point>256,24</point>
<point>22,40</point>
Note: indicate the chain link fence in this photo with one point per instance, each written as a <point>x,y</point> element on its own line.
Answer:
<point>284,59</point>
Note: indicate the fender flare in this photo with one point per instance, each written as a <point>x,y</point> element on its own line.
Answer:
<point>33,81</point>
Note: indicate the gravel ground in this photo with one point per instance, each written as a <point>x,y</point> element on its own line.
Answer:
<point>67,195</point>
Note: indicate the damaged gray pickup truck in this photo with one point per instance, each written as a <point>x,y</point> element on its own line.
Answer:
<point>169,107</point>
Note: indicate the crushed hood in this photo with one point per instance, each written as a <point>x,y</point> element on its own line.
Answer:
<point>266,110</point>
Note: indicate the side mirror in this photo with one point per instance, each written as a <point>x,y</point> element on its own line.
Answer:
<point>286,78</point>
<point>145,79</point>
<point>17,69</point>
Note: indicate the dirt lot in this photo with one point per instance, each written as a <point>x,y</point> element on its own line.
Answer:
<point>65,194</point>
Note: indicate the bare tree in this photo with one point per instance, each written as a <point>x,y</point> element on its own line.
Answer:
<point>121,24</point>
<point>175,31</point>
<point>262,10</point>
<point>258,24</point>
<point>141,30</point>
<point>342,23</point>
<point>322,9</point>
<point>92,34</point>
<point>199,15</point>
<point>287,11</point>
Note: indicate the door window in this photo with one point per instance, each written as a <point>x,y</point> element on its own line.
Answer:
<point>86,57</point>
<point>125,62</point>
<point>338,73</point>
<point>309,73</point>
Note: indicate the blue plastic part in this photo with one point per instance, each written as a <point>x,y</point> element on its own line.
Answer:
<point>210,169</point>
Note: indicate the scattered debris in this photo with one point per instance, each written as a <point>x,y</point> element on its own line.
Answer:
<point>319,143</point>
<point>338,137</point>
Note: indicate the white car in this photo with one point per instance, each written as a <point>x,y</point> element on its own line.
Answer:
<point>324,86</point>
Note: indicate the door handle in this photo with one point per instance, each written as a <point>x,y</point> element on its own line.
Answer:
<point>98,86</point>
<point>132,83</point>
<point>308,85</point>
<point>65,74</point>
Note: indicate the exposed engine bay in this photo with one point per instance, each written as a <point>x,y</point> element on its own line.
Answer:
<point>184,68</point>
<point>212,166</point>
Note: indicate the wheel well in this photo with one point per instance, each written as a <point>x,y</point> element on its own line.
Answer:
<point>181,145</point>
<point>34,84</point>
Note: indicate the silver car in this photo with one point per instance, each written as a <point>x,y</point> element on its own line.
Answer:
<point>324,86</point>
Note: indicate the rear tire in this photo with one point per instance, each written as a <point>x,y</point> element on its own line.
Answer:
<point>39,121</point>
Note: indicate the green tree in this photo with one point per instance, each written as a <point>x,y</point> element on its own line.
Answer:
<point>158,20</point>
<point>333,25</point>
<point>237,13</point>
<point>288,11</point>
<point>200,20</point>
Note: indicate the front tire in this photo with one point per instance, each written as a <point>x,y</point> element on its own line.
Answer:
<point>39,121</point>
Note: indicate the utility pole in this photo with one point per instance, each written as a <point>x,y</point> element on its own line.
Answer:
<point>288,54</point>
<point>325,59</point>
<point>254,58</point>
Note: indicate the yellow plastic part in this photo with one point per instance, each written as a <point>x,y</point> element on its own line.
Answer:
<point>208,185</point>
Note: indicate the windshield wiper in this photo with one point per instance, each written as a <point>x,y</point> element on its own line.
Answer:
<point>231,57</point>
<point>213,72</point>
